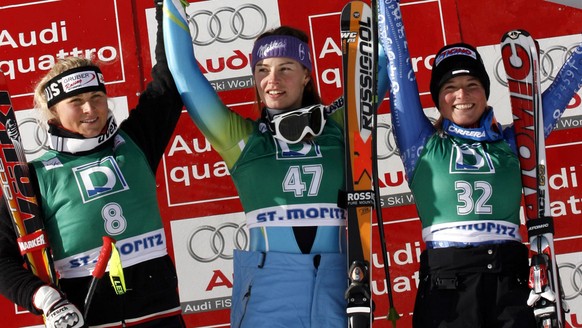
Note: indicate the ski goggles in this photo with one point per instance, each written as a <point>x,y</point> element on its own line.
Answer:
<point>291,127</point>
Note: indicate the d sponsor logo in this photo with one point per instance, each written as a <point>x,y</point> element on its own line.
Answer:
<point>99,179</point>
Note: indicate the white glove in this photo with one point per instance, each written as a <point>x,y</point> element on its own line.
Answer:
<point>58,311</point>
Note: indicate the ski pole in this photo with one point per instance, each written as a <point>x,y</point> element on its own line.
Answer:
<point>392,313</point>
<point>99,271</point>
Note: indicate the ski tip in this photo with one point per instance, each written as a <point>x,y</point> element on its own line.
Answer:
<point>515,34</point>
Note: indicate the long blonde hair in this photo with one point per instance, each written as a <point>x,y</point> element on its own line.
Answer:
<point>63,65</point>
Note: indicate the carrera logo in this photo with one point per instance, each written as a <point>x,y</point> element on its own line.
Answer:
<point>99,179</point>
<point>467,133</point>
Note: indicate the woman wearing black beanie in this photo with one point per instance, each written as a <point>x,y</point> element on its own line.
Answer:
<point>465,176</point>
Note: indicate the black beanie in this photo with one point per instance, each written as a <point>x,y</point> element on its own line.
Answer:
<point>454,60</point>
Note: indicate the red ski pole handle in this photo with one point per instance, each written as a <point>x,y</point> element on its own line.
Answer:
<point>103,258</point>
<point>99,270</point>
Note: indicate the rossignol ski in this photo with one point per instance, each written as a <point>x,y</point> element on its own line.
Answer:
<point>521,61</point>
<point>359,47</point>
<point>19,194</point>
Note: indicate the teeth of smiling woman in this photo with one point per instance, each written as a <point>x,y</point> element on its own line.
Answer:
<point>275,92</point>
<point>89,121</point>
<point>464,106</point>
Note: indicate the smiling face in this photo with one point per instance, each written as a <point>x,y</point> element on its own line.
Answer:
<point>280,82</point>
<point>85,113</point>
<point>462,100</point>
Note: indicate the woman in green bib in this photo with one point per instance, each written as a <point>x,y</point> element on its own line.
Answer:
<point>98,179</point>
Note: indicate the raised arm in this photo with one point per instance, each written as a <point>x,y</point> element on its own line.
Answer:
<point>151,124</point>
<point>557,96</point>
<point>224,128</point>
<point>410,125</point>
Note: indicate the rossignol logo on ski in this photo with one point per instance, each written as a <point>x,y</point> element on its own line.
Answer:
<point>360,198</point>
<point>365,72</point>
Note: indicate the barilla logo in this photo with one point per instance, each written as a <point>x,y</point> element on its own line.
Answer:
<point>32,242</point>
<point>454,52</point>
<point>79,80</point>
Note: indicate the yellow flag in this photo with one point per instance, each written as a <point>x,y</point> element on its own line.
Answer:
<point>116,272</point>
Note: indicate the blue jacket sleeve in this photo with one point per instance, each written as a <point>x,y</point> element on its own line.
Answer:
<point>557,96</point>
<point>411,126</point>
<point>225,129</point>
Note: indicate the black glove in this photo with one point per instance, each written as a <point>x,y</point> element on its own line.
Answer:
<point>58,311</point>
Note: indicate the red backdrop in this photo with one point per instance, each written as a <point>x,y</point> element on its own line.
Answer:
<point>195,190</point>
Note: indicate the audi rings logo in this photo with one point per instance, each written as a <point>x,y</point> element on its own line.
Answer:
<point>208,243</point>
<point>389,141</point>
<point>551,60</point>
<point>389,148</point>
<point>571,277</point>
<point>227,24</point>
<point>39,141</point>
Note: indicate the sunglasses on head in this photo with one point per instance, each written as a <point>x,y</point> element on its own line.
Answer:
<point>292,126</point>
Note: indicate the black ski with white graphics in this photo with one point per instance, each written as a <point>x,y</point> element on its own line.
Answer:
<point>522,66</point>
<point>359,47</point>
